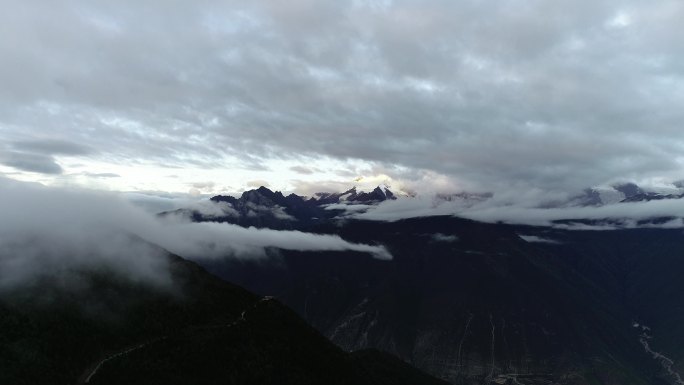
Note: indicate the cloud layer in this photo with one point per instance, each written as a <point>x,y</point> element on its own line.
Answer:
<point>48,230</point>
<point>496,96</point>
<point>620,215</point>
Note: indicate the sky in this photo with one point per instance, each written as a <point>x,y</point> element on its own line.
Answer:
<point>207,97</point>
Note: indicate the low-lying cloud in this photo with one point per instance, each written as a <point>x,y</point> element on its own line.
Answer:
<point>214,240</point>
<point>46,230</point>
<point>620,215</point>
<point>627,213</point>
<point>439,237</point>
<point>537,239</point>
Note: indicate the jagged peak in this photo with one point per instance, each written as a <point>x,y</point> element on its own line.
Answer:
<point>264,192</point>
<point>264,189</point>
<point>379,193</point>
<point>350,191</point>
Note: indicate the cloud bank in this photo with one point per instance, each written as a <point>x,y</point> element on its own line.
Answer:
<point>48,230</point>
<point>622,215</point>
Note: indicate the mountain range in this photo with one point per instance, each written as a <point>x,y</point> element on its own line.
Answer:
<point>264,208</point>
<point>460,302</point>
<point>474,302</point>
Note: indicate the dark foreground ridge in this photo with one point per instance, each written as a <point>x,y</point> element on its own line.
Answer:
<point>199,330</point>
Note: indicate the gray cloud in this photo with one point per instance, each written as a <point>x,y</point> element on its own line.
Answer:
<point>37,155</point>
<point>154,202</point>
<point>53,147</point>
<point>55,232</point>
<point>44,164</point>
<point>302,170</point>
<point>204,185</point>
<point>44,230</point>
<point>560,96</point>
<point>257,183</point>
<point>102,175</point>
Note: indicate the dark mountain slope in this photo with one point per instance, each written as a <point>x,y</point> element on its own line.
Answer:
<point>467,301</point>
<point>100,327</point>
<point>268,345</point>
<point>642,268</point>
<point>52,331</point>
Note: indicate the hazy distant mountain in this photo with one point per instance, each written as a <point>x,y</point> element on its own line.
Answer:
<point>626,192</point>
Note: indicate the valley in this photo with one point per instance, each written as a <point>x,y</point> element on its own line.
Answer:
<point>484,303</point>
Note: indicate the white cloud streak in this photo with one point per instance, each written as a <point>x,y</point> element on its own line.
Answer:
<point>537,239</point>
<point>627,213</point>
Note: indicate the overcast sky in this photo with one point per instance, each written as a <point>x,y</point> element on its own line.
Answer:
<point>208,96</point>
